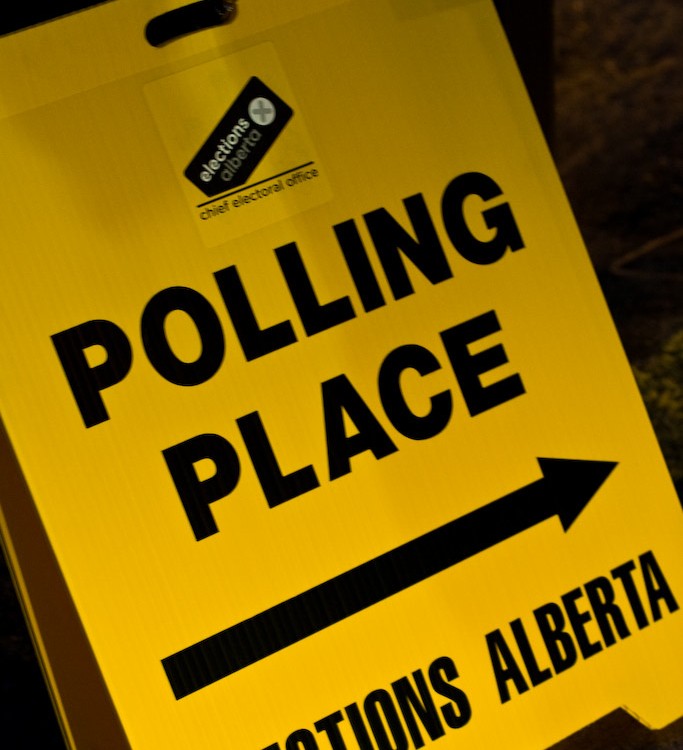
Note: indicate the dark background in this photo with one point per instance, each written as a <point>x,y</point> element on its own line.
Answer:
<point>608,88</point>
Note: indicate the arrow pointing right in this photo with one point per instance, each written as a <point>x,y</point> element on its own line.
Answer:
<point>564,490</point>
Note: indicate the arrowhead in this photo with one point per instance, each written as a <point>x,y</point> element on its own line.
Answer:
<point>571,483</point>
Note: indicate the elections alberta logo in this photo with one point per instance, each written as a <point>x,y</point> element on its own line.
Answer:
<point>241,139</point>
<point>236,136</point>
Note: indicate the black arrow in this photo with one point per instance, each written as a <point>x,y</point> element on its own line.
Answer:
<point>564,490</point>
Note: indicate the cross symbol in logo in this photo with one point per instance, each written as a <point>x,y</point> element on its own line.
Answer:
<point>261,111</point>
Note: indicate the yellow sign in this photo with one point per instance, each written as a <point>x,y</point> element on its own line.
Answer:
<point>321,434</point>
